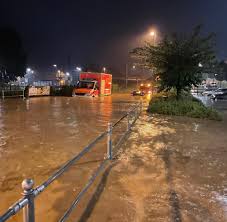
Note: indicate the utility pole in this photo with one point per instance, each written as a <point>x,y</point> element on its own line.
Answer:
<point>126,75</point>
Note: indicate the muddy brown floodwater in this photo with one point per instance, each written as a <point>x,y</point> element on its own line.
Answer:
<point>40,134</point>
<point>169,168</point>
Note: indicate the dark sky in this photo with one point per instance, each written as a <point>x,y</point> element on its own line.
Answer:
<point>103,31</point>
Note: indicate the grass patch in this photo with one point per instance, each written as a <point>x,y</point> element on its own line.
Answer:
<point>185,106</point>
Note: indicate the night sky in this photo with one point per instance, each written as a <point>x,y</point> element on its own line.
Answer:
<point>104,31</point>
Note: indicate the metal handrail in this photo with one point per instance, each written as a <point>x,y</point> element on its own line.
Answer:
<point>27,202</point>
<point>83,191</point>
<point>10,91</point>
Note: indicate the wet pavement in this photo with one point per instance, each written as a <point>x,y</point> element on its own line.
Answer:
<point>40,134</point>
<point>170,169</point>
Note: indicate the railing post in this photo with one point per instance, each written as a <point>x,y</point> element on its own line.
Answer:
<point>128,122</point>
<point>29,210</point>
<point>23,94</point>
<point>109,141</point>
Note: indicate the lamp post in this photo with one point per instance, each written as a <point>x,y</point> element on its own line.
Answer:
<point>153,35</point>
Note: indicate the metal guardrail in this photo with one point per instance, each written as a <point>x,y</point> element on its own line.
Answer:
<point>13,93</point>
<point>27,201</point>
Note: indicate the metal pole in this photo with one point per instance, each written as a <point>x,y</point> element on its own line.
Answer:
<point>29,210</point>
<point>126,76</point>
<point>109,141</point>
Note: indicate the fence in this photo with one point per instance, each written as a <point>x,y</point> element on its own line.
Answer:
<point>7,93</point>
<point>29,194</point>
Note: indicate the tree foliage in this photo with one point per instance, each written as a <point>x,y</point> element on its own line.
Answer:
<point>222,75</point>
<point>12,55</point>
<point>179,60</point>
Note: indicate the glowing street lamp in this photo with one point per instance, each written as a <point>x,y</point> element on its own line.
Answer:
<point>78,69</point>
<point>28,69</point>
<point>67,73</point>
<point>55,65</point>
<point>152,33</point>
<point>104,69</point>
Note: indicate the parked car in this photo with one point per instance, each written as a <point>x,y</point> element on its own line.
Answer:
<point>208,92</point>
<point>219,94</point>
<point>137,93</point>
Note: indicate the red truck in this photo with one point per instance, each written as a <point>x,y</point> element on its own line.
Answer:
<point>93,84</point>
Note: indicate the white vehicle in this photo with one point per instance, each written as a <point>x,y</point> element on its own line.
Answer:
<point>219,93</point>
<point>208,92</point>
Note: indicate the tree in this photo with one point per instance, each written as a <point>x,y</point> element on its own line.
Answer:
<point>178,61</point>
<point>222,75</point>
<point>12,55</point>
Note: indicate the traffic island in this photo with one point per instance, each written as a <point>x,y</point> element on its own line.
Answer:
<point>187,105</point>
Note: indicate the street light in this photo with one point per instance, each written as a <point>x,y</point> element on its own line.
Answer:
<point>78,69</point>
<point>55,65</point>
<point>28,70</point>
<point>153,35</point>
<point>104,69</point>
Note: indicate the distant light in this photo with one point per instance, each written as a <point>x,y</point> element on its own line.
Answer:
<point>28,70</point>
<point>152,33</point>
<point>67,73</point>
<point>149,92</point>
<point>78,69</point>
<point>200,65</point>
<point>141,84</point>
<point>148,85</point>
<point>134,67</point>
<point>55,65</point>
<point>104,69</point>
<point>59,71</point>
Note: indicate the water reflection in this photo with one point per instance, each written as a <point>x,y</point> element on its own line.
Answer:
<point>2,136</point>
<point>42,133</point>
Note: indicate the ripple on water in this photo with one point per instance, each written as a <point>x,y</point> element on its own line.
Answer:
<point>222,200</point>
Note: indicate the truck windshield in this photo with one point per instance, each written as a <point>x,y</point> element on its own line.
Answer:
<point>85,84</point>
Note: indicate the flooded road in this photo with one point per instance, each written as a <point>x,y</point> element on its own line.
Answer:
<point>171,169</point>
<point>39,134</point>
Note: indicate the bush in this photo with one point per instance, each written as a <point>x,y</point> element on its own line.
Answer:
<point>186,106</point>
